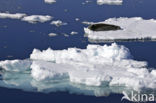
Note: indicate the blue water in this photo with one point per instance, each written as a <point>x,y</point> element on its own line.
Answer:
<point>17,41</point>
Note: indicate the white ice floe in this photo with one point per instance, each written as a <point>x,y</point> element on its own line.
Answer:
<point>87,23</point>
<point>86,2</point>
<point>58,23</point>
<point>74,33</point>
<point>110,2</point>
<point>77,19</point>
<point>99,69</point>
<point>37,18</point>
<point>134,28</point>
<point>24,17</point>
<point>49,1</point>
<point>12,16</point>
<point>52,34</point>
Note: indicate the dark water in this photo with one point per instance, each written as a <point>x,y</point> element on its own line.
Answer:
<point>17,96</point>
<point>17,39</point>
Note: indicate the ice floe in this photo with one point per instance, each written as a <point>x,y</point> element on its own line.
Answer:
<point>74,33</point>
<point>58,23</point>
<point>12,16</point>
<point>110,2</point>
<point>95,70</point>
<point>86,2</point>
<point>134,28</point>
<point>52,34</point>
<point>77,19</point>
<point>87,22</point>
<point>50,1</point>
<point>37,18</point>
<point>25,17</point>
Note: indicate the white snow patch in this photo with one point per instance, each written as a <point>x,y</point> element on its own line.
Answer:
<point>132,28</point>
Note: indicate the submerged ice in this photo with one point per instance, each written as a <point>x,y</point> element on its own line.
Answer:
<point>96,70</point>
<point>134,28</point>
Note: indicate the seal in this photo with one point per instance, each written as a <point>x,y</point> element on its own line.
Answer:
<point>103,27</point>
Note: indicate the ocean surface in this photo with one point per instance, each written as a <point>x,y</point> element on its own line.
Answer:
<point>18,39</point>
